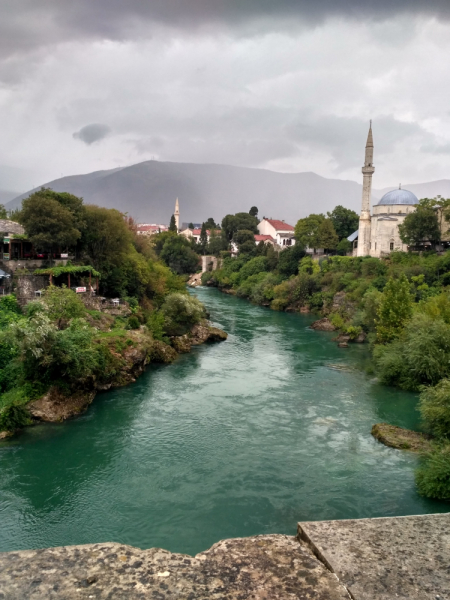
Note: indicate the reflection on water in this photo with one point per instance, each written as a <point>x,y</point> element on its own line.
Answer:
<point>239,438</point>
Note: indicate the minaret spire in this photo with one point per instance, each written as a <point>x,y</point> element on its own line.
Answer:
<point>364,219</point>
<point>177,214</point>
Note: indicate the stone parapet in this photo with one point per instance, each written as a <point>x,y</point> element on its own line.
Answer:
<point>362,559</point>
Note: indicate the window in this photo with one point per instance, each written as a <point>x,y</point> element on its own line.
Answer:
<point>391,246</point>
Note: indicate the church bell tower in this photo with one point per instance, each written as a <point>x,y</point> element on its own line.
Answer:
<point>364,219</point>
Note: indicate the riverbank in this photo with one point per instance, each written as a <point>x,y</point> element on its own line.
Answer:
<point>134,350</point>
<point>329,560</point>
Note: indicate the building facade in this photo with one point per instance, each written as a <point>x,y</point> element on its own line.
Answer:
<point>378,233</point>
<point>281,232</point>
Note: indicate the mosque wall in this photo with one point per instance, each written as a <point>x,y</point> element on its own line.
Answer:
<point>384,236</point>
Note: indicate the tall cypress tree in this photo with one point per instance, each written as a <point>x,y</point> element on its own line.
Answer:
<point>173,225</point>
<point>203,241</point>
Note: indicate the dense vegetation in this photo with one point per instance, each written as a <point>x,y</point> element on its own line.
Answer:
<point>58,341</point>
<point>400,303</point>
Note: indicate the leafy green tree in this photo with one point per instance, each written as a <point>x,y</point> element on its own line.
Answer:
<point>345,221</point>
<point>307,231</point>
<point>327,236</point>
<point>3,213</point>
<point>395,309</point>
<point>178,255</point>
<point>191,225</point>
<point>420,225</point>
<point>52,220</point>
<point>289,259</point>
<point>245,240</point>
<point>253,211</point>
<point>233,223</point>
<point>173,224</point>
<point>203,240</point>
<point>181,312</point>
<point>216,243</point>
<point>343,247</point>
<point>63,305</point>
<point>210,224</point>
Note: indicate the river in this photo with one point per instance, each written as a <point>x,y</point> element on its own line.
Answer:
<point>244,437</point>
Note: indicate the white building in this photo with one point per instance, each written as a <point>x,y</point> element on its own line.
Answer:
<point>150,228</point>
<point>378,233</point>
<point>281,232</point>
<point>195,233</point>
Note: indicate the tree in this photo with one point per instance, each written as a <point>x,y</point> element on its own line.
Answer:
<point>49,224</point>
<point>216,243</point>
<point>420,225</point>
<point>245,240</point>
<point>233,223</point>
<point>343,247</point>
<point>191,225</point>
<point>395,309</point>
<point>203,240</point>
<point>173,225</point>
<point>3,213</point>
<point>345,221</point>
<point>253,211</point>
<point>288,260</point>
<point>210,224</point>
<point>63,305</point>
<point>327,235</point>
<point>178,255</point>
<point>181,311</point>
<point>307,231</point>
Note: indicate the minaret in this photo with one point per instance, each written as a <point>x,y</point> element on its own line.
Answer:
<point>177,215</point>
<point>364,219</point>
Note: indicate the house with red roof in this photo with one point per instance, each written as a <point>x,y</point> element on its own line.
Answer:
<point>195,233</point>
<point>267,239</point>
<point>150,228</point>
<point>280,231</point>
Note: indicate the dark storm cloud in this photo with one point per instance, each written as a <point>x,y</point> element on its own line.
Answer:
<point>92,133</point>
<point>27,24</point>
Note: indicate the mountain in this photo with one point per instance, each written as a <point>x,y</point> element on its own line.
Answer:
<point>6,196</point>
<point>147,191</point>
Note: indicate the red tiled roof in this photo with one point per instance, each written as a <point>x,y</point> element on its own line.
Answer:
<point>198,231</point>
<point>263,238</point>
<point>280,225</point>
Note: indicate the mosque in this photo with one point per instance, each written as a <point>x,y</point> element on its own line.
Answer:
<point>378,234</point>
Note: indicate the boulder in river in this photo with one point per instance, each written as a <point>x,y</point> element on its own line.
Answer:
<point>323,325</point>
<point>402,439</point>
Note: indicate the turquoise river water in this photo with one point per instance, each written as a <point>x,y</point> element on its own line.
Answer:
<point>244,437</point>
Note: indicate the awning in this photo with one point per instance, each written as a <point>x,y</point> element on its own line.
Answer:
<point>353,236</point>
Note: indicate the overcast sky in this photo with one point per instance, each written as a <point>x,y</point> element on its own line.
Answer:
<point>288,85</point>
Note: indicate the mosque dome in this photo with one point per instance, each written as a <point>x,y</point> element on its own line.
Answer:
<point>399,197</point>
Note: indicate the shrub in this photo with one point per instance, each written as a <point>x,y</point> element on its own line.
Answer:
<point>395,309</point>
<point>181,312</point>
<point>133,322</point>
<point>289,259</point>
<point>63,304</point>
<point>156,323</point>
<point>420,357</point>
<point>435,408</point>
<point>433,476</point>
<point>14,417</point>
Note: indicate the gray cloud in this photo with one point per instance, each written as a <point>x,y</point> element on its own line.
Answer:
<point>92,133</point>
<point>27,24</point>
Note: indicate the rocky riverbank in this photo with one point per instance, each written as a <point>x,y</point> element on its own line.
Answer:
<point>401,439</point>
<point>139,350</point>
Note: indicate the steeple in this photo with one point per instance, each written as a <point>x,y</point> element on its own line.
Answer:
<point>177,214</point>
<point>364,220</point>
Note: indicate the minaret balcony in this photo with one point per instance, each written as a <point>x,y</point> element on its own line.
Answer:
<point>368,170</point>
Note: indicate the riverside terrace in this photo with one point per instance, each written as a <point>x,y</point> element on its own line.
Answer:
<point>16,252</point>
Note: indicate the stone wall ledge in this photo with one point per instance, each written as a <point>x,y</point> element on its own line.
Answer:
<point>376,559</point>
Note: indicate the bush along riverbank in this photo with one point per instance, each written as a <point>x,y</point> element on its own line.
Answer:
<point>399,304</point>
<point>56,355</point>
